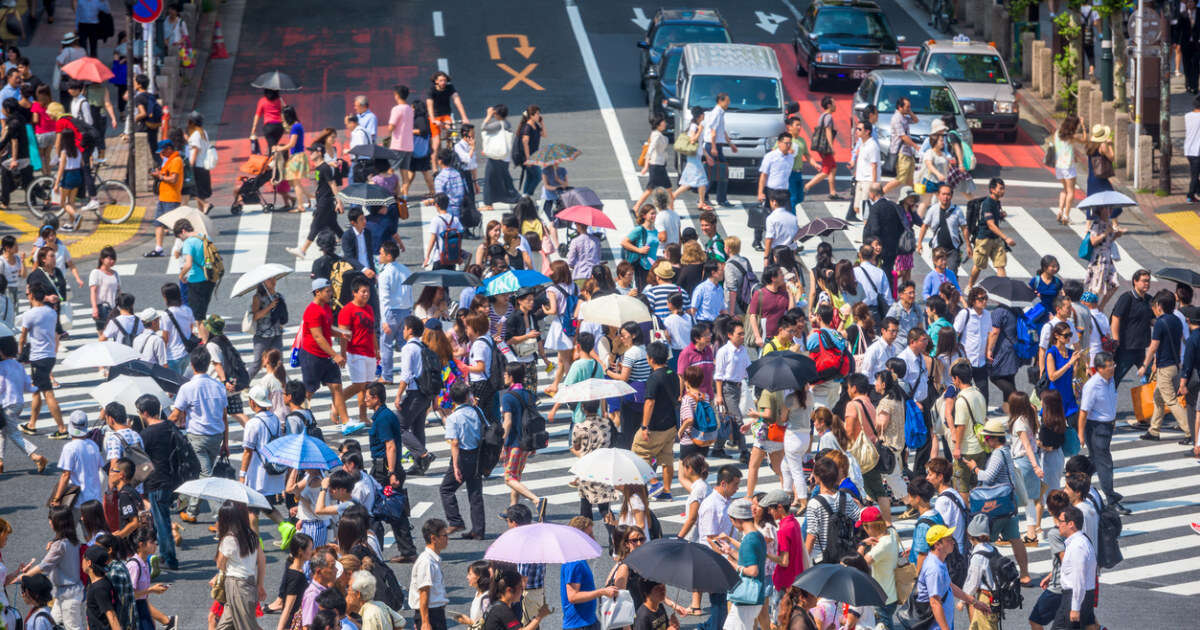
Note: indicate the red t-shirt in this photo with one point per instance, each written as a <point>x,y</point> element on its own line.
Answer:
<point>270,111</point>
<point>316,315</point>
<point>788,540</point>
<point>360,321</point>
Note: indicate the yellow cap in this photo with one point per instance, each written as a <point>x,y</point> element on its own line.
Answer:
<point>936,533</point>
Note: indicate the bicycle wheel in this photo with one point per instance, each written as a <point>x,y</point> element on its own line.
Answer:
<point>116,201</point>
<point>38,197</point>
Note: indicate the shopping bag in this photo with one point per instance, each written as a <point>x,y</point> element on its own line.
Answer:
<point>1143,401</point>
<point>617,612</point>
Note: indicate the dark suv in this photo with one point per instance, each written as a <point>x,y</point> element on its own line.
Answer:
<point>843,40</point>
<point>661,85</point>
<point>679,26</point>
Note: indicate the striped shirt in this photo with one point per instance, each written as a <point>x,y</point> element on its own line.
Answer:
<point>660,293</point>
<point>635,359</point>
<point>817,518</point>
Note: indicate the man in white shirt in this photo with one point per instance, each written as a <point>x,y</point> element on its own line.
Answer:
<point>729,370</point>
<point>666,223</point>
<point>714,132</point>
<point>395,302</point>
<point>866,166</point>
<point>176,323</point>
<point>366,118</point>
<point>1097,414</point>
<point>781,227</point>
<point>711,523</point>
<point>427,586</point>
<point>201,404</point>
<point>776,168</point>
<point>80,462</point>
<point>445,221</point>
<point>1191,149</point>
<point>149,343</point>
<point>1077,573</point>
<point>973,325</point>
<point>885,346</point>
<point>877,291</point>
<point>357,137</point>
<point>1100,327</point>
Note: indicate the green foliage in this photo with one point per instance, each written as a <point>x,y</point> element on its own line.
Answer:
<point>1065,64</point>
<point>1113,7</point>
<point>1018,10</point>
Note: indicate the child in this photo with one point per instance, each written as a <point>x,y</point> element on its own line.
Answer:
<point>69,177</point>
<point>12,266</point>
<point>294,583</point>
<point>101,613</point>
<point>980,580</point>
<point>692,440</point>
<point>679,328</point>
<point>480,578</point>
<point>138,566</point>
<point>305,486</point>
<point>130,504</point>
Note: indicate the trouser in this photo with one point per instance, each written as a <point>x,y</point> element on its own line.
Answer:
<point>180,365</point>
<point>12,418</point>
<point>486,399</point>
<point>388,341</point>
<point>199,294</point>
<point>631,421</point>
<point>85,168</point>
<point>261,346</point>
<point>1191,68</point>
<point>532,601</point>
<point>718,176</point>
<point>730,426</point>
<point>795,445</point>
<point>436,618</point>
<point>1087,611</point>
<point>923,454</point>
<point>585,507</point>
<point>1006,384</point>
<point>1125,359</point>
<point>980,376</point>
<point>160,512</point>
<point>11,180</point>
<point>208,449</point>
<point>1098,436</point>
<point>144,620</point>
<point>468,470</point>
<point>1193,175</point>
<point>241,600</point>
<point>401,529</point>
<point>954,258</point>
<point>67,609</point>
<point>716,612</point>
<point>411,413</point>
<point>531,176</point>
<point>1166,398</point>
<point>826,394</point>
<point>795,189</point>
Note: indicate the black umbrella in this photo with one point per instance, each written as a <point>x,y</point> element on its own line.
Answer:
<point>821,227</point>
<point>683,564</point>
<point>443,278</point>
<point>580,196</point>
<point>374,152</point>
<point>842,584</point>
<point>782,370</point>
<point>1180,275</point>
<point>361,194</point>
<point>275,80</point>
<point>166,379</point>
<point>1008,291</point>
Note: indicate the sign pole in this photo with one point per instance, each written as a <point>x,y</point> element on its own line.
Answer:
<point>1137,112</point>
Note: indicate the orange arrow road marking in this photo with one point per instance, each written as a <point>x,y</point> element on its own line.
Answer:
<point>523,48</point>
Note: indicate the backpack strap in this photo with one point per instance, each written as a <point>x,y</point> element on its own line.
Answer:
<point>954,498</point>
<point>178,328</point>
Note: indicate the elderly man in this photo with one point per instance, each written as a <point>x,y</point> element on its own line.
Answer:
<point>366,118</point>
<point>360,600</point>
<point>1097,413</point>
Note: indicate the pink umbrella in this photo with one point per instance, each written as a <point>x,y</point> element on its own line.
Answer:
<point>586,215</point>
<point>544,543</point>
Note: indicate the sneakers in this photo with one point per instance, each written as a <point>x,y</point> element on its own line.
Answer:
<point>154,253</point>
<point>295,251</point>
<point>286,532</point>
<point>172,623</point>
<point>26,429</point>
<point>59,435</point>
<point>92,205</point>
<point>187,517</point>
<point>1150,436</point>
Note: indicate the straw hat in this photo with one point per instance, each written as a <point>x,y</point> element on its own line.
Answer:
<point>1101,133</point>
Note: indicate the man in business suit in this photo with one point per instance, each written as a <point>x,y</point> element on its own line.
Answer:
<point>1187,35</point>
<point>357,248</point>
<point>883,223</point>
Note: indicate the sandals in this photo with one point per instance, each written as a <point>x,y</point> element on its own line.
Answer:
<point>1030,540</point>
<point>836,197</point>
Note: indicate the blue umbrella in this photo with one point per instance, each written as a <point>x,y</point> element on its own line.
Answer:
<point>514,280</point>
<point>302,452</point>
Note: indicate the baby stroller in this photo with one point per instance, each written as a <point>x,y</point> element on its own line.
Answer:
<point>575,196</point>
<point>258,172</point>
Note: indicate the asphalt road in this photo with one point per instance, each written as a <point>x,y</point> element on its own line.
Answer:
<point>584,76</point>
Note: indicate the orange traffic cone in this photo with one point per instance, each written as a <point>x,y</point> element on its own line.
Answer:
<point>218,50</point>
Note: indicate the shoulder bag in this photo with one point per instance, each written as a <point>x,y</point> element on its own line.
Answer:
<point>1102,167</point>
<point>684,145</point>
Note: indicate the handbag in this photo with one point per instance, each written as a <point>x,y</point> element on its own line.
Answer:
<point>995,501</point>
<point>1051,157</point>
<point>143,466</point>
<point>1102,167</point>
<point>247,321</point>
<point>889,163</point>
<point>218,590</point>
<point>1086,249</point>
<point>496,145</point>
<point>820,140</point>
<point>905,574</point>
<point>1071,445</point>
<point>684,145</point>
<point>617,612</point>
<point>222,468</point>
<point>1143,400</point>
<point>914,614</point>
<point>748,591</point>
<point>756,215</point>
<point>866,450</point>
<point>641,161</point>
<point>209,161</point>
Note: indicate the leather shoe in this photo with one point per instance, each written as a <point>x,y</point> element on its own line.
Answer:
<point>403,559</point>
<point>187,518</point>
<point>1149,436</point>
<point>471,536</point>
<point>1121,509</point>
<point>454,529</point>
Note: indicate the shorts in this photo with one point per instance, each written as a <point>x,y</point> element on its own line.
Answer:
<point>1064,173</point>
<point>360,367</point>
<point>514,462</point>
<point>659,448</point>
<point>873,483</point>
<point>688,449</point>
<point>964,479</point>
<point>39,373</point>
<point>1044,610</point>
<point>828,163</point>
<point>72,179</point>
<point>316,371</point>
<point>164,207</point>
<point>233,403</point>
<point>992,249</point>
<point>402,161</point>
<point>904,168</point>
<point>1005,529</point>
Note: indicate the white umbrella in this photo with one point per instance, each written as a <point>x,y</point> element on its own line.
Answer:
<point>200,221</point>
<point>257,276</point>
<point>614,310</point>
<point>613,466</point>
<point>126,389</point>
<point>220,489</point>
<point>593,389</point>
<point>1107,198</point>
<point>99,354</point>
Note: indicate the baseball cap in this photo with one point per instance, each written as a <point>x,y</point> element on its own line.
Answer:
<point>868,515</point>
<point>776,497</point>
<point>148,315</point>
<point>77,425</point>
<point>259,395</point>
<point>936,533</point>
<point>741,509</point>
<point>979,526</point>
<point>165,144</point>
<point>319,283</point>
<point>433,323</point>
<point>519,514</point>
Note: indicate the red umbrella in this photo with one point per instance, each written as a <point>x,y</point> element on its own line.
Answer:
<point>88,69</point>
<point>586,215</point>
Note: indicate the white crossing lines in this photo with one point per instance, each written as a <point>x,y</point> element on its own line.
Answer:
<point>1029,229</point>
<point>253,240</point>
<point>1126,265</point>
<point>733,223</point>
<point>618,211</point>
<point>304,264</point>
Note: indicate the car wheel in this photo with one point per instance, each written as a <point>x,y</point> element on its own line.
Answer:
<point>800,69</point>
<point>814,85</point>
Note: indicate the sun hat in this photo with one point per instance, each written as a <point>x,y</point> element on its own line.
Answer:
<point>741,509</point>
<point>664,270</point>
<point>906,192</point>
<point>259,396</point>
<point>868,515</point>
<point>936,533</point>
<point>69,38</point>
<point>937,126</point>
<point>995,428</point>
<point>77,425</point>
<point>215,324</point>
<point>1101,133</point>
<point>776,497</point>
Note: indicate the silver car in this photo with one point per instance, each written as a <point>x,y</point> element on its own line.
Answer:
<point>930,95</point>
<point>980,80</point>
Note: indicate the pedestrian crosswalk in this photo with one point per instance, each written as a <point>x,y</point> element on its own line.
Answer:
<point>1158,480</point>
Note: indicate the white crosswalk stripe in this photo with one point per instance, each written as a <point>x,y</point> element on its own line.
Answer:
<point>250,246</point>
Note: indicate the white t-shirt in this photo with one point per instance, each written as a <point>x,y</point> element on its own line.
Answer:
<point>442,223</point>
<point>198,141</point>
<point>109,284</point>
<point>1014,438</point>
<point>81,457</point>
<point>237,566</point>
<point>868,159</point>
<point>216,356</point>
<point>260,430</point>
<point>123,329</point>
<point>668,221</point>
<point>40,322</point>
<point>699,491</point>
<point>481,350</point>
<point>183,315</point>
<point>680,329</point>
<point>635,505</point>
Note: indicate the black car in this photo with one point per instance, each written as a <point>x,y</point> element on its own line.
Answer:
<point>843,40</point>
<point>679,26</point>
<point>661,85</point>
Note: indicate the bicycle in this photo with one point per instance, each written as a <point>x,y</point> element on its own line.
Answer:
<point>113,196</point>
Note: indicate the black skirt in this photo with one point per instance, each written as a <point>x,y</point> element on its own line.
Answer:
<point>203,180</point>
<point>658,177</point>
<point>498,183</point>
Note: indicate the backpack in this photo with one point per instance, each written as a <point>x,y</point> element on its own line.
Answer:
<point>429,381</point>
<point>956,562</point>
<point>533,427</point>
<point>1108,534</point>
<point>185,464</point>
<point>1026,344</point>
<point>491,443</point>
<point>450,244</point>
<point>271,467</point>
<point>310,424</point>
<point>968,161</point>
<point>45,614</point>
<point>235,367</point>
<point>499,365</point>
<point>1006,589</point>
<point>841,537</point>
<point>387,588</point>
<point>214,265</point>
<point>704,417</point>
<point>567,317</point>
<point>126,337</point>
<point>832,362</point>
<point>389,507</point>
<point>745,287</point>
<point>89,136</point>
<point>916,434</point>
<point>143,467</point>
<point>974,213</point>
<point>339,281</point>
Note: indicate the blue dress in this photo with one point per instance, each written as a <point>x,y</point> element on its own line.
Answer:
<point>1065,383</point>
<point>1096,184</point>
<point>1046,291</point>
<point>694,174</point>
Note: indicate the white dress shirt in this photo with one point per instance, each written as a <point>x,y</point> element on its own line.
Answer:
<point>731,363</point>
<point>410,362</point>
<point>777,166</point>
<point>781,227</point>
<point>916,373</point>
<point>973,329</point>
<point>867,275</point>
<point>394,295</point>
<point>1078,572</point>
<point>877,356</point>
<point>1191,139</point>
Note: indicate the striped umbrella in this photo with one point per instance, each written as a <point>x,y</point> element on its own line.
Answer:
<point>302,452</point>
<point>365,195</point>
<point>514,280</point>
<point>552,154</point>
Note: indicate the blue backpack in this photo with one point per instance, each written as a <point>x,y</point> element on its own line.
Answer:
<point>1026,344</point>
<point>704,417</point>
<point>567,317</point>
<point>916,434</point>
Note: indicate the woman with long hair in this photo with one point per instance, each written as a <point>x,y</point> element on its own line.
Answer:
<point>861,334</point>
<point>889,418</point>
<point>69,177</point>
<point>295,582</point>
<point>641,244</point>
<point>1053,440</point>
<point>633,368</point>
<point>197,155</point>
<point>91,518</point>
<point>625,539</point>
<point>799,279</point>
<point>694,174</point>
<point>797,438</point>
<point>1060,366</point>
<point>495,135</point>
<point>104,284</point>
<point>828,161</point>
<point>541,236</point>
<point>431,304</point>
<point>1103,233</point>
<point>1022,437</point>
<point>909,219</point>
<point>241,561</point>
<point>61,565</point>
<point>1070,134</point>
<point>793,610</point>
<point>491,236</point>
<point>274,379</point>
<point>530,131</point>
<point>294,160</point>
<point>935,167</point>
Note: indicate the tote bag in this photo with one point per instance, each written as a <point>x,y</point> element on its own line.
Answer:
<point>617,612</point>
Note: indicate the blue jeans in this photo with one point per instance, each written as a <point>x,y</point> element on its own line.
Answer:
<point>160,509</point>
<point>178,366</point>
<point>716,612</point>
<point>389,341</point>
<point>883,614</point>
<point>208,449</point>
<point>796,189</point>
<point>531,176</point>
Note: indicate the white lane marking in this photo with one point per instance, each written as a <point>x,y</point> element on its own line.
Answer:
<point>607,113</point>
<point>618,211</point>
<point>438,29</point>
<point>421,508</point>
<point>734,222</point>
<point>304,264</point>
<point>251,243</point>
<point>443,65</point>
<point>1031,231</point>
<point>639,18</point>
<point>127,269</point>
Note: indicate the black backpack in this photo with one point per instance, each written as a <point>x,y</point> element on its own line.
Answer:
<point>499,365</point>
<point>185,464</point>
<point>126,336</point>
<point>491,443</point>
<point>429,381</point>
<point>310,424</point>
<point>387,588</point>
<point>533,426</point>
<point>841,537</point>
<point>235,367</point>
<point>1006,591</point>
<point>956,562</point>
<point>974,214</point>
<point>1108,534</point>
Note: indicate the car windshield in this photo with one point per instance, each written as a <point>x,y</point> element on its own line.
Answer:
<point>968,68</point>
<point>924,99</point>
<point>746,94</point>
<point>849,22</point>
<point>668,34</point>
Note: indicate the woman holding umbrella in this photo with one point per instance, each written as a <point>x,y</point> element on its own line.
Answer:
<point>269,313</point>
<point>270,111</point>
<point>749,558</point>
<point>1102,235</point>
